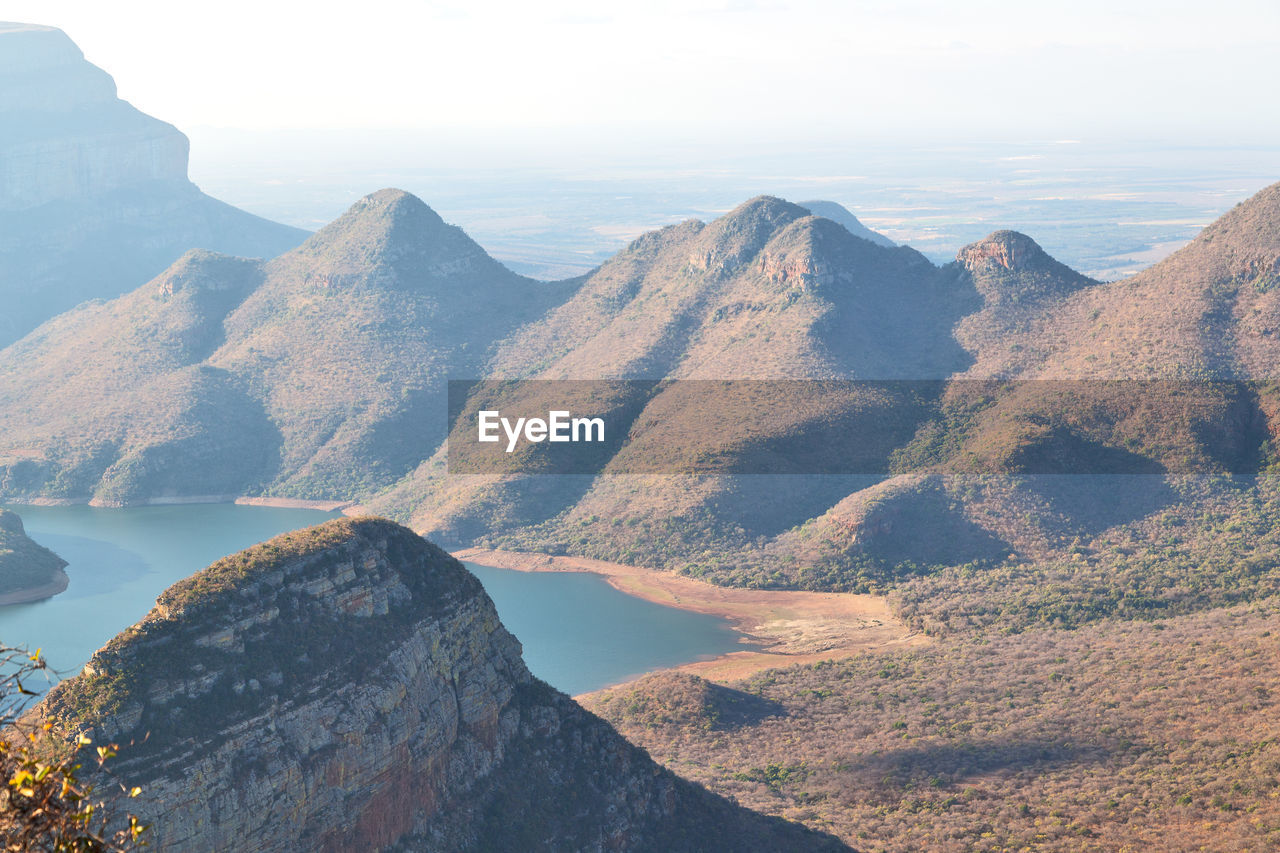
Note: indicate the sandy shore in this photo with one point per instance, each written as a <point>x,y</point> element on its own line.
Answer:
<point>787,627</point>
<point>294,503</point>
<point>56,584</point>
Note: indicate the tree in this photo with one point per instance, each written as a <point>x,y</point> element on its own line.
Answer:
<point>45,804</point>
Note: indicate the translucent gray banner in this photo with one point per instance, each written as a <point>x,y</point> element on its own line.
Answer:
<point>860,427</point>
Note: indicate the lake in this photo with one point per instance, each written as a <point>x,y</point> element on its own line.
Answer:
<point>579,633</point>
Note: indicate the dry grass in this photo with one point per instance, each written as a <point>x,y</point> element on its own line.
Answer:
<point>1119,736</point>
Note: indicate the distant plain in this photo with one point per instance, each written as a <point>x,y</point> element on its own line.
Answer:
<point>556,209</point>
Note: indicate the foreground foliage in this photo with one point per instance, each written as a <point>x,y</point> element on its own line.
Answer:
<point>46,804</point>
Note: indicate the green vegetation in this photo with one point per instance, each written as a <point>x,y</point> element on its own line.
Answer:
<point>25,567</point>
<point>46,804</point>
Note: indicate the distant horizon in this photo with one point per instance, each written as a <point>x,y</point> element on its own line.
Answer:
<point>553,182</point>
<point>715,71</point>
<point>1106,210</point>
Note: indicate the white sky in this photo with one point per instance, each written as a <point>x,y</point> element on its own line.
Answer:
<point>978,69</point>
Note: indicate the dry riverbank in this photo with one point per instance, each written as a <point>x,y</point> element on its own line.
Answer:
<point>787,627</point>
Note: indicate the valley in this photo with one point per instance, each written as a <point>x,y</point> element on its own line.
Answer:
<point>1044,458</point>
<point>938,511</point>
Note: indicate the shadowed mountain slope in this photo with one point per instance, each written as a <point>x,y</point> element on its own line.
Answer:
<point>318,374</point>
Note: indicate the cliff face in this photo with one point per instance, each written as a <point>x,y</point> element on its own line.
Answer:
<point>350,687</point>
<point>71,137</point>
<point>94,195</point>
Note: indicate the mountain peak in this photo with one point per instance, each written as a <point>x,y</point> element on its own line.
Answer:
<point>390,208</point>
<point>395,228</point>
<point>394,202</point>
<point>1008,266</point>
<point>742,232</point>
<point>200,270</point>
<point>1008,250</point>
<point>764,209</point>
<point>839,214</point>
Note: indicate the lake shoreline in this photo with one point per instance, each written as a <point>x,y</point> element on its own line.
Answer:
<point>58,583</point>
<point>785,627</point>
<point>188,500</point>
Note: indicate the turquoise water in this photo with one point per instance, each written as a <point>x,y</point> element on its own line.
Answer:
<point>581,634</point>
<point>119,560</point>
<point>578,632</point>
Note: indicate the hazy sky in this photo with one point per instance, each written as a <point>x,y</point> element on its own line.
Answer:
<point>979,69</point>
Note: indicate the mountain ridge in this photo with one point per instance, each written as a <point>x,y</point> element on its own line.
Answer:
<point>390,301</point>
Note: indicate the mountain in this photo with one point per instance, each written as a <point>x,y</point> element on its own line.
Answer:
<point>1208,311</point>
<point>982,477</point>
<point>1067,482</point>
<point>349,686</point>
<point>317,374</point>
<point>766,292</point>
<point>320,374</point>
<point>28,571</point>
<point>94,195</point>
<point>839,214</point>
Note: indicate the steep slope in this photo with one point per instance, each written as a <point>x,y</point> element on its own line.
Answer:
<point>349,687</point>
<point>94,195</point>
<point>350,339</point>
<point>28,571</point>
<point>113,401</point>
<point>839,214</point>
<point>318,375</point>
<point>1025,294</point>
<point>1208,311</point>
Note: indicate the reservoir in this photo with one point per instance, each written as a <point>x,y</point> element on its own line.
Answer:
<point>579,633</point>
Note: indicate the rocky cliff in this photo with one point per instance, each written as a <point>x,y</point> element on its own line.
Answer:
<point>94,195</point>
<point>70,136</point>
<point>350,687</point>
